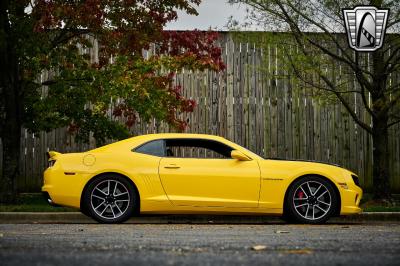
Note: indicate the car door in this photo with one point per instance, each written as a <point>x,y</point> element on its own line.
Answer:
<point>210,182</point>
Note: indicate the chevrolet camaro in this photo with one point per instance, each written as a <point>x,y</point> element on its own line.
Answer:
<point>196,174</point>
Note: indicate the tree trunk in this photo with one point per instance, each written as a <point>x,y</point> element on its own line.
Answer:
<point>381,181</point>
<point>10,88</point>
<point>11,135</point>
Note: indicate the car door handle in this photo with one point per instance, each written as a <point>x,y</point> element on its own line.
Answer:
<point>172,166</point>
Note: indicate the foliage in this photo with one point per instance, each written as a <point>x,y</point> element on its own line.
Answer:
<point>58,35</point>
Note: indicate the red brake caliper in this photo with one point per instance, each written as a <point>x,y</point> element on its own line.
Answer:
<point>300,195</point>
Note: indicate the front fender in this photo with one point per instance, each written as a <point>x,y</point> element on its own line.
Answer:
<point>276,177</point>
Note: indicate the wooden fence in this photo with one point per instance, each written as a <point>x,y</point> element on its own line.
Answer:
<point>253,108</point>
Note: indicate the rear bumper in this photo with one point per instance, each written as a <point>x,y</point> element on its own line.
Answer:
<point>47,197</point>
<point>62,189</point>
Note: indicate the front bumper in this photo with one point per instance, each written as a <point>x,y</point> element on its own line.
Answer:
<point>350,198</point>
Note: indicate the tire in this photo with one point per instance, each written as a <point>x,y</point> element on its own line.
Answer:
<point>310,200</point>
<point>85,211</point>
<point>109,198</point>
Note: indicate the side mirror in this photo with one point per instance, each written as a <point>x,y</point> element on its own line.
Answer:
<point>235,154</point>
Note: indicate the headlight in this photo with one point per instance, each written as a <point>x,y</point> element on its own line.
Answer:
<point>356,180</point>
<point>51,163</point>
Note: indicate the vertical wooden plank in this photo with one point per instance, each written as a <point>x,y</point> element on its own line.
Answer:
<point>317,130</point>
<point>214,103</point>
<point>267,101</point>
<point>280,101</point>
<point>229,88</point>
<point>310,128</point>
<point>259,99</point>
<point>246,95</point>
<point>274,102</point>
<point>238,93</point>
<point>252,99</point>
<point>295,116</point>
<point>303,123</point>
<point>288,113</point>
<point>358,162</point>
<point>29,179</point>
<point>223,92</point>
<point>21,185</point>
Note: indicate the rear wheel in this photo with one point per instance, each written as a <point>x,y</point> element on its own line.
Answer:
<point>109,199</point>
<point>311,199</point>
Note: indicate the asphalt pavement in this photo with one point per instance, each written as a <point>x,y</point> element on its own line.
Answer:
<point>200,244</point>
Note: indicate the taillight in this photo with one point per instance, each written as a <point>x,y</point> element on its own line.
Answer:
<point>51,156</point>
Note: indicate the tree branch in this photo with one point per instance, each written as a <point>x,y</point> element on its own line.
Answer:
<point>393,88</point>
<point>66,35</point>
<point>394,22</point>
<point>393,123</point>
<point>53,81</point>
<point>391,104</point>
<point>395,55</point>
<point>394,66</point>
<point>347,58</point>
<point>346,105</point>
<point>359,75</point>
<point>334,91</point>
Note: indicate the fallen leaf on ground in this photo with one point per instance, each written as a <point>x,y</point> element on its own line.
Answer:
<point>282,232</point>
<point>299,251</point>
<point>258,247</point>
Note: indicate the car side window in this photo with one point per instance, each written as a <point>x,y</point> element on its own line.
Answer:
<point>155,148</point>
<point>197,148</point>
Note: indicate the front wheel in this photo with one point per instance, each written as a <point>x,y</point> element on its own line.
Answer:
<point>109,199</point>
<point>311,199</point>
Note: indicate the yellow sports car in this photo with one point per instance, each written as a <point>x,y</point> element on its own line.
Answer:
<point>196,174</point>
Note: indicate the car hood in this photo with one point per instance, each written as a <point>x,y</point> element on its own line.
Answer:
<point>288,167</point>
<point>302,160</point>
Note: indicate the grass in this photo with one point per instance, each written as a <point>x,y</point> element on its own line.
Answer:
<point>34,202</point>
<point>381,209</point>
<point>368,204</point>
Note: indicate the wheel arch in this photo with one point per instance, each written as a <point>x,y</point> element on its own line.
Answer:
<point>338,207</point>
<point>136,190</point>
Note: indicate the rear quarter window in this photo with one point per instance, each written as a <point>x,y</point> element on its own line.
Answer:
<point>155,148</point>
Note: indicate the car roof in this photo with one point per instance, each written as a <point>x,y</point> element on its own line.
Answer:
<point>140,139</point>
<point>177,135</point>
